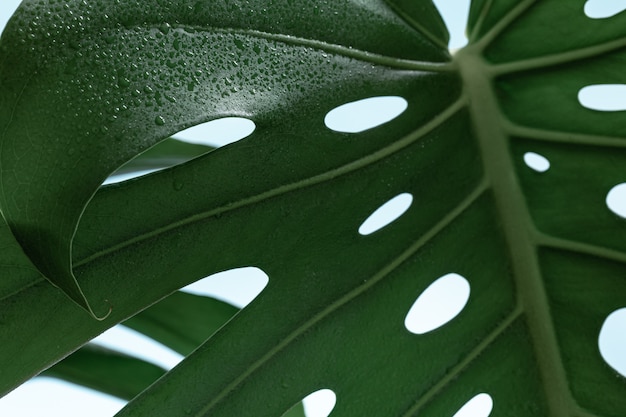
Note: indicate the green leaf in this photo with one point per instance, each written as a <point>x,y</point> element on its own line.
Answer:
<point>165,154</point>
<point>107,371</point>
<point>181,322</point>
<point>543,254</point>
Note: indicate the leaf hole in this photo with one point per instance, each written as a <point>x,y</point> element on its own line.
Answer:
<point>479,406</point>
<point>368,113</point>
<point>319,403</point>
<point>536,162</point>
<point>185,146</point>
<point>386,214</point>
<point>438,304</point>
<point>612,341</point>
<point>603,9</point>
<point>134,343</point>
<point>218,133</point>
<point>603,97</point>
<point>238,286</point>
<point>616,199</point>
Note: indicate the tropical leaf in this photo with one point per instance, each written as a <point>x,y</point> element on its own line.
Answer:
<point>107,371</point>
<point>81,98</point>
<point>165,154</point>
<point>181,322</point>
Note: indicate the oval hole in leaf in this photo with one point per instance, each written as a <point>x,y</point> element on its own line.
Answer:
<point>602,9</point>
<point>365,114</point>
<point>133,343</point>
<point>386,214</point>
<point>238,286</point>
<point>603,97</point>
<point>612,340</point>
<point>184,146</point>
<point>442,301</point>
<point>479,406</point>
<point>616,199</point>
<point>218,133</point>
<point>536,162</point>
<point>319,403</point>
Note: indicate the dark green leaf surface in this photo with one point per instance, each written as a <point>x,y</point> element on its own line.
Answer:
<point>181,322</point>
<point>165,154</point>
<point>107,371</point>
<point>542,252</point>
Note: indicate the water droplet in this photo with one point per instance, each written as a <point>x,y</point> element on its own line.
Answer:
<point>123,82</point>
<point>159,121</point>
<point>178,185</point>
<point>165,28</point>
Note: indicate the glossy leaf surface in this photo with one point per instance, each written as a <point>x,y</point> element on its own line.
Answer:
<point>181,322</point>
<point>290,198</point>
<point>106,371</point>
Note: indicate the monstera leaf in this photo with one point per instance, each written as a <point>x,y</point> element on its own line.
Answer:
<point>86,86</point>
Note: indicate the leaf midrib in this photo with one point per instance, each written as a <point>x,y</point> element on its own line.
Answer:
<point>517,225</point>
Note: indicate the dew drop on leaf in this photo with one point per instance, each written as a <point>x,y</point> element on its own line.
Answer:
<point>616,199</point>
<point>178,185</point>
<point>237,286</point>
<point>536,162</point>
<point>319,403</point>
<point>612,340</point>
<point>438,304</point>
<point>159,121</point>
<point>386,214</point>
<point>218,132</point>
<point>365,114</point>
<point>603,97</point>
<point>479,406</point>
<point>602,9</point>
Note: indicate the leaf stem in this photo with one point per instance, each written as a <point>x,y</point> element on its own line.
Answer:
<point>517,226</point>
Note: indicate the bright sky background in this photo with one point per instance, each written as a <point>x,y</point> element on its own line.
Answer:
<point>44,396</point>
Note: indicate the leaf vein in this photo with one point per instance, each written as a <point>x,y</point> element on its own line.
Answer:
<point>353,294</point>
<point>287,188</point>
